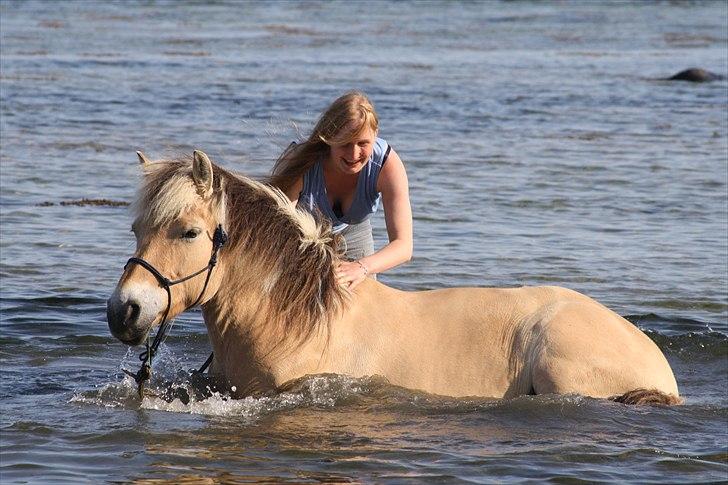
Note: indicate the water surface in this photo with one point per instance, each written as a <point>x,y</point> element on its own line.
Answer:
<point>541,146</point>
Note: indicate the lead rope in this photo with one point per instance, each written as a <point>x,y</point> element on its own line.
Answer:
<point>145,371</point>
<point>206,364</point>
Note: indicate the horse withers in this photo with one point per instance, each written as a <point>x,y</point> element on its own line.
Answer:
<point>275,312</point>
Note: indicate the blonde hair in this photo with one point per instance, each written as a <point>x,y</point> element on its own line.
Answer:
<point>342,122</point>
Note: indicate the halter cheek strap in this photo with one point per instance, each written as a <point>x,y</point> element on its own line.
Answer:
<point>145,372</point>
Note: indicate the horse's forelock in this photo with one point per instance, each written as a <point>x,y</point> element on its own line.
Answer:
<point>168,191</point>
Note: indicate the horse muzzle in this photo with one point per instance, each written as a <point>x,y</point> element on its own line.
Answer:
<point>122,319</point>
<point>130,319</point>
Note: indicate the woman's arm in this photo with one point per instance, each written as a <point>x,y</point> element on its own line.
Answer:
<point>394,187</point>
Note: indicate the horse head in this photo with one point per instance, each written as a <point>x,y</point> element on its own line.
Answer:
<point>178,228</point>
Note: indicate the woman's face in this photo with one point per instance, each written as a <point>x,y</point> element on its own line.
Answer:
<point>351,157</point>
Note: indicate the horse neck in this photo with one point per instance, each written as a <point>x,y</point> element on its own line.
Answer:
<point>240,313</point>
<point>275,293</point>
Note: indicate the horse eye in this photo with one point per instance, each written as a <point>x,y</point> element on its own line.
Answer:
<point>191,234</point>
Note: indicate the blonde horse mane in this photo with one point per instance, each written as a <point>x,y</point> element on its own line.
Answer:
<point>291,258</point>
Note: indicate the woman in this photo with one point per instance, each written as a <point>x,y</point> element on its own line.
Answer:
<point>342,171</point>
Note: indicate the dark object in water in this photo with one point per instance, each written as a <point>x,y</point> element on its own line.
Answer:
<point>695,75</point>
<point>84,202</point>
<point>106,202</point>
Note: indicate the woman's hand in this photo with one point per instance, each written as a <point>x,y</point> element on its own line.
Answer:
<point>351,273</point>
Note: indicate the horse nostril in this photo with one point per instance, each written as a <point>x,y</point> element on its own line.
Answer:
<point>132,313</point>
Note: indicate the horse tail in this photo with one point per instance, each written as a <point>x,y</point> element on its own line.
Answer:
<point>650,397</point>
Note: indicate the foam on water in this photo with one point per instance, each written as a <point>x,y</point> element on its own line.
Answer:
<point>173,388</point>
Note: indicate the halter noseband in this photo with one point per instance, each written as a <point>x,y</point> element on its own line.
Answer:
<point>145,372</point>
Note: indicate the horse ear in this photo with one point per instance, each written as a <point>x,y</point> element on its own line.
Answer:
<point>143,159</point>
<point>202,173</point>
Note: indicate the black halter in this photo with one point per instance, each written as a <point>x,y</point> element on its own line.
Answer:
<point>145,372</point>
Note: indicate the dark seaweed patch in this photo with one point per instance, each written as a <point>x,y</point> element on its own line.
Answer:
<point>85,202</point>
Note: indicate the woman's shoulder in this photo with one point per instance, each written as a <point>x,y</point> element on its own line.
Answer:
<point>381,151</point>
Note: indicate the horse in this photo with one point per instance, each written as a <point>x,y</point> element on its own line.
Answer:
<point>275,312</point>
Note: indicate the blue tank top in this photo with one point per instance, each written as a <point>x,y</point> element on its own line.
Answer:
<point>313,196</point>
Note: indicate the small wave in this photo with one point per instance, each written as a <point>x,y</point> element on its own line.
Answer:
<point>52,301</point>
<point>175,389</point>
<point>194,393</point>
<point>692,346</point>
<point>187,53</point>
<point>685,337</point>
<point>675,324</point>
<point>321,391</point>
<point>291,30</point>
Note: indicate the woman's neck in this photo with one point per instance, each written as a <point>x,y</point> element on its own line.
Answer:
<point>337,182</point>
